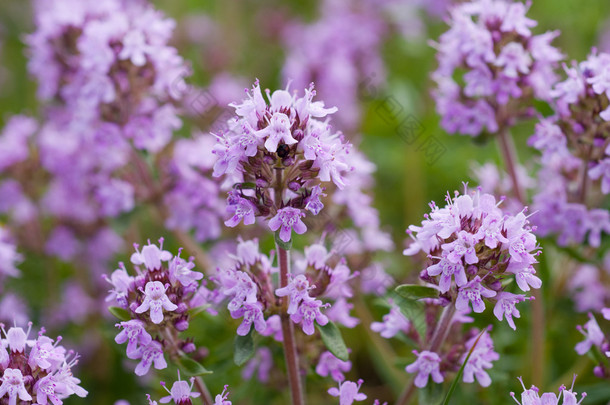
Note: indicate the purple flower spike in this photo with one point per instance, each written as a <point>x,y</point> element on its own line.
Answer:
<point>286,220</point>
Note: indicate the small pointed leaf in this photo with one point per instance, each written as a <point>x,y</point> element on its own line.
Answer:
<point>331,336</point>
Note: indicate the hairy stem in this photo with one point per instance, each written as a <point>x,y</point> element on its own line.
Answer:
<point>510,161</point>
<point>290,348</point>
<point>438,338</point>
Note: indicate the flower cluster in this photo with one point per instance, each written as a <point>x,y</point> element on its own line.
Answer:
<point>472,246</point>
<point>249,286</point>
<point>157,300</point>
<point>575,171</point>
<point>502,65</point>
<point>36,370</point>
<point>275,155</point>
<point>110,65</point>
<point>532,396</point>
<point>193,201</point>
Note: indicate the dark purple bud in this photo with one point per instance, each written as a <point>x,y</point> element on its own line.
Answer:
<point>182,308</point>
<point>189,347</point>
<point>182,325</point>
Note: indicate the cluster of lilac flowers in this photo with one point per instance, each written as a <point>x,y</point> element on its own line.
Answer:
<point>157,299</point>
<point>472,246</point>
<point>36,370</point>
<point>110,64</point>
<point>502,65</point>
<point>248,285</point>
<point>275,156</point>
<point>575,173</point>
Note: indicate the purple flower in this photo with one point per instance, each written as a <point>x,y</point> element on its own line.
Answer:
<point>149,355</point>
<point>277,130</point>
<point>48,388</point>
<point>241,208</point>
<point>426,365</point>
<point>134,333</point>
<point>181,392</point>
<point>151,256</point>
<point>447,269</point>
<point>348,392</point>
<point>479,360</point>
<point>308,312</point>
<point>286,220</point>
<point>472,292</point>
<point>532,397</point>
<point>593,336</point>
<point>221,399</point>
<point>297,290</point>
<point>462,247</point>
<point>393,323</point>
<point>263,362</point>
<point>45,354</point>
<point>328,364</point>
<point>180,270</point>
<point>339,313</point>
<point>252,314</point>
<point>505,307</point>
<point>13,386</point>
<point>313,203</point>
<point>156,301</point>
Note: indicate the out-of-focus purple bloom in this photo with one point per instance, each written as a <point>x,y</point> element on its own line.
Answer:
<point>329,365</point>
<point>426,365</point>
<point>480,360</point>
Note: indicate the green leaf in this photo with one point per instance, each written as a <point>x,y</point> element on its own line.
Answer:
<point>193,312</point>
<point>244,349</point>
<point>120,313</point>
<point>281,243</point>
<point>247,185</point>
<point>416,292</point>
<point>331,336</point>
<point>192,367</point>
<point>459,374</point>
<point>414,311</point>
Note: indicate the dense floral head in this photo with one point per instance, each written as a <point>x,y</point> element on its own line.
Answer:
<point>575,155</point>
<point>109,61</point>
<point>490,48</point>
<point>472,246</point>
<point>37,370</point>
<point>157,300</point>
<point>276,154</point>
